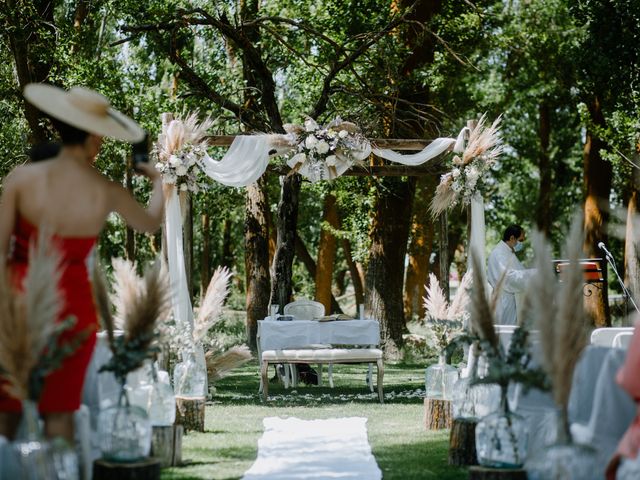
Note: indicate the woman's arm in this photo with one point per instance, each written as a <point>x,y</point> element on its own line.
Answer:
<point>139,218</point>
<point>8,209</point>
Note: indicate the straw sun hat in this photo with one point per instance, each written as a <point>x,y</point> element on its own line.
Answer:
<point>84,109</point>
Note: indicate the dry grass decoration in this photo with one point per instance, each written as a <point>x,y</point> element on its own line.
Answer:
<point>219,362</point>
<point>504,367</point>
<point>446,319</point>
<point>142,303</point>
<point>559,315</point>
<point>468,171</point>
<point>30,332</point>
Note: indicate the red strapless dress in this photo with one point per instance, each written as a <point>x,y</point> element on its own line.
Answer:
<point>63,388</point>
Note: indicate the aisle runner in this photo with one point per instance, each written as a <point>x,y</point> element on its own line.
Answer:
<point>291,448</point>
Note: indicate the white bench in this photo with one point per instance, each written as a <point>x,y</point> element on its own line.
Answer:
<point>322,356</point>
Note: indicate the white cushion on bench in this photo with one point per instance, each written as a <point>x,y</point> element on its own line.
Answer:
<point>323,355</point>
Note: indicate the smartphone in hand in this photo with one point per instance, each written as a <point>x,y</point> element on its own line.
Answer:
<point>141,151</point>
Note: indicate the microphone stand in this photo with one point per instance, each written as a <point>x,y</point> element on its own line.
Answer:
<point>625,292</point>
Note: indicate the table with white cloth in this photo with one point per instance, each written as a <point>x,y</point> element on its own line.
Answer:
<point>293,334</point>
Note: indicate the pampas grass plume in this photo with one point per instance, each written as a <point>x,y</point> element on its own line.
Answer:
<point>481,313</point>
<point>211,306</point>
<point>220,365</point>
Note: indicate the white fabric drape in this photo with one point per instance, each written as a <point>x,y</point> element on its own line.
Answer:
<point>435,148</point>
<point>245,161</point>
<point>477,235</point>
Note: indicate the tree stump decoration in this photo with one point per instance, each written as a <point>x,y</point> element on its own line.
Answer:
<point>190,413</point>
<point>147,469</point>
<point>462,442</point>
<point>166,445</point>
<point>437,413</point>
<point>486,473</point>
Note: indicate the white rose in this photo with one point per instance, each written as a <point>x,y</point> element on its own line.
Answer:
<point>455,172</point>
<point>310,141</point>
<point>298,158</point>
<point>343,133</point>
<point>160,166</point>
<point>184,187</point>
<point>310,125</point>
<point>192,161</point>
<point>181,171</point>
<point>169,179</point>
<point>174,161</point>
<point>331,161</point>
<point>322,147</point>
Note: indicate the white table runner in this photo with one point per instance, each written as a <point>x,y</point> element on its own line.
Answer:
<point>291,448</point>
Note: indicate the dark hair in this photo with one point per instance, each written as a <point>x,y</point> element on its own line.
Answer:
<point>68,134</point>
<point>512,231</point>
<point>43,151</point>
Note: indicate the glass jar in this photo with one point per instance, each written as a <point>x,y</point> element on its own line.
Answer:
<point>32,453</point>
<point>189,377</point>
<point>124,432</point>
<point>501,439</point>
<point>439,380</point>
<point>565,460</point>
<point>162,402</point>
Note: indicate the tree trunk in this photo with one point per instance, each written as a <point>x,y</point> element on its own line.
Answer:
<point>205,259</point>
<point>632,241</point>
<point>227,248</point>
<point>256,257</point>
<point>597,180</point>
<point>32,43</point>
<point>420,247</point>
<point>281,287</point>
<point>326,253</point>
<point>385,272</point>
<point>438,413</point>
<point>462,442</point>
<point>354,271</point>
<point>543,217</point>
<point>307,260</point>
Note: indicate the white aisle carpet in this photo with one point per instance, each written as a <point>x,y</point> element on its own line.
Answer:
<point>291,448</point>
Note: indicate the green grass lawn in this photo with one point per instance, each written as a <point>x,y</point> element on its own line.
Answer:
<point>401,445</point>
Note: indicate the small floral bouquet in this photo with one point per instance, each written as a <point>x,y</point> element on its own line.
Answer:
<point>324,153</point>
<point>181,153</point>
<point>468,172</point>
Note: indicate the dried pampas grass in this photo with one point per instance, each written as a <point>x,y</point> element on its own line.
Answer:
<point>483,141</point>
<point>461,299</point>
<point>481,310</point>
<point>103,303</point>
<point>444,197</point>
<point>219,365</point>
<point>182,131</point>
<point>559,313</point>
<point>211,305</point>
<point>126,288</point>
<point>435,303</point>
<point>28,318</point>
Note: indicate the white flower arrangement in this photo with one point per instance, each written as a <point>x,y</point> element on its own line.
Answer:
<point>179,157</point>
<point>468,173</point>
<point>323,153</point>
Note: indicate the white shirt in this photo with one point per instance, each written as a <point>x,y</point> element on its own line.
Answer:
<point>502,261</point>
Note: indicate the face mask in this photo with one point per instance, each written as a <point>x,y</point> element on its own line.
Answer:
<point>518,246</point>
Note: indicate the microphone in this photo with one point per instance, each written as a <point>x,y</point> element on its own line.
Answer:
<point>604,249</point>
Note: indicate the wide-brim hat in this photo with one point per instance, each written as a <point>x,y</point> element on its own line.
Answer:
<point>84,109</point>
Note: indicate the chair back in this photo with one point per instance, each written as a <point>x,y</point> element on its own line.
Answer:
<point>622,340</point>
<point>304,309</point>
<point>603,337</point>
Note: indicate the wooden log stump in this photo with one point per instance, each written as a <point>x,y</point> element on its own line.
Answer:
<point>437,413</point>
<point>147,469</point>
<point>486,473</point>
<point>166,445</point>
<point>462,442</point>
<point>190,413</point>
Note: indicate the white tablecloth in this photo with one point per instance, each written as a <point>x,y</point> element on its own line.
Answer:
<point>277,335</point>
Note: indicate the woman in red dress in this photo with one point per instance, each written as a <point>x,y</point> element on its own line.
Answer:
<point>71,199</point>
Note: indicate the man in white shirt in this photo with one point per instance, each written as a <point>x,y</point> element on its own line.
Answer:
<point>503,261</point>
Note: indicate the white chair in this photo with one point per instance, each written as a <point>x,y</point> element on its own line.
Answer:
<point>603,337</point>
<point>305,309</point>
<point>622,340</point>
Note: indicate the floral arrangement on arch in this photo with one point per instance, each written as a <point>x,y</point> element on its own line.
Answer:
<point>324,153</point>
<point>468,172</point>
<point>179,155</point>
